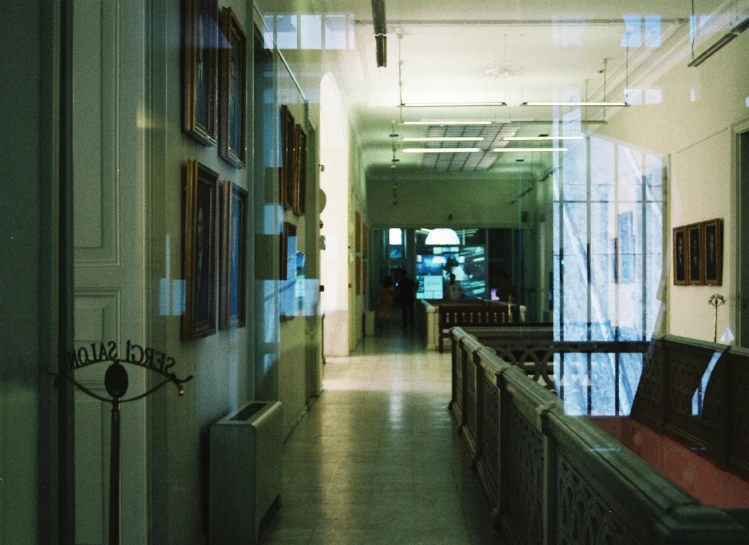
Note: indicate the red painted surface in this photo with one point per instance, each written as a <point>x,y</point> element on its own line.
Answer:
<point>695,474</point>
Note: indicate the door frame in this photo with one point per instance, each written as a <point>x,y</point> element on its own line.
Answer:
<point>740,185</point>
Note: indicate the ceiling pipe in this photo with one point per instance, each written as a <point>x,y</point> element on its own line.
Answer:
<point>380,31</point>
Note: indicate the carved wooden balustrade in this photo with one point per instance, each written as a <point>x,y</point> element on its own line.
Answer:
<point>475,314</point>
<point>698,393</point>
<point>552,478</point>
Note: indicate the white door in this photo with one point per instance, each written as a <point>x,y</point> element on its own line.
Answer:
<point>109,238</point>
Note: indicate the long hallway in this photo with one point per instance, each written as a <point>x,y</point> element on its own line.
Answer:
<point>377,460</point>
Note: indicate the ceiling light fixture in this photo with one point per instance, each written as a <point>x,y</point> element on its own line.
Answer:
<point>442,236</point>
<point>544,138</point>
<point>713,49</point>
<point>601,104</point>
<point>738,25</point>
<point>446,123</point>
<point>441,150</point>
<point>446,139</point>
<point>514,150</point>
<point>450,104</point>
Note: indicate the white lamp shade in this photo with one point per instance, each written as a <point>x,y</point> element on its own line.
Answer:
<point>442,237</point>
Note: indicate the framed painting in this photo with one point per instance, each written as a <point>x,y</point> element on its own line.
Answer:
<point>201,192</point>
<point>286,174</point>
<point>365,240</point>
<point>200,61</point>
<point>713,252</point>
<point>299,183</point>
<point>287,298</point>
<point>695,263</point>
<point>233,141</point>
<point>357,232</point>
<point>364,277</point>
<point>233,243</point>
<point>680,256</point>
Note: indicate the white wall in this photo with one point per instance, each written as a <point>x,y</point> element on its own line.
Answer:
<point>472,201</point>
<point>698,137</point>
<point>334,181</point>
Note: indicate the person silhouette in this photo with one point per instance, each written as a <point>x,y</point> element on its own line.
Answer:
<point>407,291</point>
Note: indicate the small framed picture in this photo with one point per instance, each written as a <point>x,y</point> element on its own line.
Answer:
<point>201,192</point>
<point>680,256</point>
<point>357,232</point>
<point>364,240</point>
<point>233,141</point>
<point>713,254</point>
<point>299,183</point>
<point>200,53</point>
<point>233,239</point>
<point>286,174</point>
<point>695,262</point>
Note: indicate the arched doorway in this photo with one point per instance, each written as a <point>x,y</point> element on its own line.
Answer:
<point>334,267</point>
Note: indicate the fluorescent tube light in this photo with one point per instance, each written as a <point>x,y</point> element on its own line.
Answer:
<point>446,123</point>
<point>712,50</point>
<point>534,138</point>
<point>449,104</point>
<point>441,150</point>
<point>603,104</point>
<point>511,150</point>
<point>446,139</point>
<point>381,50</point>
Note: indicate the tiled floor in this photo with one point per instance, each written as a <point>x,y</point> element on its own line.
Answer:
<point>377,460</point>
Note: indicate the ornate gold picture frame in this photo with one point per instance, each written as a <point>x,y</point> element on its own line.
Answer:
<point>200,60</point>
<point>201,191</point>
<point>233,141</point>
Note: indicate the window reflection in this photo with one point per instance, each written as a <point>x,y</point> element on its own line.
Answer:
<point>333,31</point>
<point>608,209</point>
<point>566,34</point>
<point>642,30</point>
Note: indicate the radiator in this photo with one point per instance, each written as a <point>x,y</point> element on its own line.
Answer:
<point>245,472</point>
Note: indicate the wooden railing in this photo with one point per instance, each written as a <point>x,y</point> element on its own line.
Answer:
<point>698,393</point>
<point>475,314</point>
<point>552,478</point>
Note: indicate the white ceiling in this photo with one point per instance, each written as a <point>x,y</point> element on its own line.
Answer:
<point>479,50</point>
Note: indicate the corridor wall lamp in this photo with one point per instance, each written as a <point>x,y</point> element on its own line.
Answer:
<point>380,31</point>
